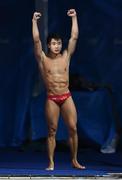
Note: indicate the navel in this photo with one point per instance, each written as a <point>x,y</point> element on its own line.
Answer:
<point>49,71</point>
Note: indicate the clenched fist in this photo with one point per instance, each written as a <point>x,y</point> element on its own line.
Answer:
<point>36,16</point>
<point>71,12</point>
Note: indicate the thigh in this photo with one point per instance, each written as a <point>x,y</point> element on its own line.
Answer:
<point>68,111</point>
<point>52,113</point>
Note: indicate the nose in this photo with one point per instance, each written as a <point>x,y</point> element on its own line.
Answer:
<point>56,45</point>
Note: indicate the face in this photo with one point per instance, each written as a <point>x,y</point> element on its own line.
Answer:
<point>55,46</point>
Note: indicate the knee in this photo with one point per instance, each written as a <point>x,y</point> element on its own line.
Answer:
<point>52,131</point>
<point>73,130</point>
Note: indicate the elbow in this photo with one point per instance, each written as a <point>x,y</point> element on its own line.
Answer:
<point>75,35</point>
<point>36,39</point>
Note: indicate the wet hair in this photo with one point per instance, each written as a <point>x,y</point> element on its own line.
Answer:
<point>55,36</point>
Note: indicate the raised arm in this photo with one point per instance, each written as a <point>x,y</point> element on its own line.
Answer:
<point>36,37</point>
<point>74,31</point>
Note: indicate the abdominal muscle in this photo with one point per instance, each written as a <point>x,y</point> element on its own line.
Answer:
<point>56,84</point>
<point>55,73</point>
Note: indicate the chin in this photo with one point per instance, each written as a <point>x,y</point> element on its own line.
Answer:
<point>57,52</point>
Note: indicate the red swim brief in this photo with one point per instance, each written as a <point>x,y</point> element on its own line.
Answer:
<point>59,99</point>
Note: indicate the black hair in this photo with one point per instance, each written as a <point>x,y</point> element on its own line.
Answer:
<point>53,36</point>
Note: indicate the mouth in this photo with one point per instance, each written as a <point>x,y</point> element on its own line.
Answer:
<point>56,50</point>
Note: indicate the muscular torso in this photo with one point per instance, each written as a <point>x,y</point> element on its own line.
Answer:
<point>55,73</point>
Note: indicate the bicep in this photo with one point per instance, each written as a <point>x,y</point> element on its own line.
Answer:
<point>38,50</point>
<point>72,45</point>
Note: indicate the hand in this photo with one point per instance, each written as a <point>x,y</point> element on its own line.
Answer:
<point>36,16</point>
<point>71,13</point>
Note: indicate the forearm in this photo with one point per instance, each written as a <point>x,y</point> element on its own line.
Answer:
<point>74,30</point>
<point>35,31</point>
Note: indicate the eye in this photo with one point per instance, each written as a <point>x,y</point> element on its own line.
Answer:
<point>59,43</point>
<point>53,43</point>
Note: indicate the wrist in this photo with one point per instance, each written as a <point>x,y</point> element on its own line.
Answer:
<point>74,16</point>
<point>34,20</point>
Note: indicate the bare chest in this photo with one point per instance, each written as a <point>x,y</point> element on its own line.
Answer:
<point>58,66</point>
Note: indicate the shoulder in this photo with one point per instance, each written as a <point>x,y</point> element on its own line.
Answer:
<point>43,54</point>
<point>41,57</point>
<point>66,53</point>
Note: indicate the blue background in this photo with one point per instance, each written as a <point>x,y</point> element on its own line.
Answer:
<point>98,58</point>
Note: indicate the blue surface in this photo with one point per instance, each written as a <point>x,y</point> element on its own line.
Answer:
<point>34,163</point>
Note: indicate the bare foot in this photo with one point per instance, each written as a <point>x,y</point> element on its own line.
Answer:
<point>50,167</point>
<point>76,165</point>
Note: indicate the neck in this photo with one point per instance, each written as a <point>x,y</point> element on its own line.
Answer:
<point>53,56</point>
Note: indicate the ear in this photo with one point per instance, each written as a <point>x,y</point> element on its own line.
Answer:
<point>48,46</point>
